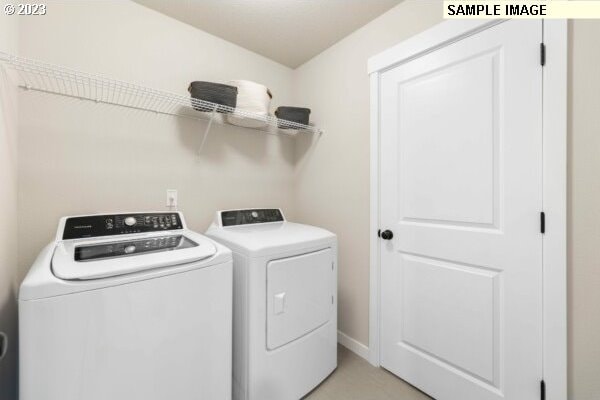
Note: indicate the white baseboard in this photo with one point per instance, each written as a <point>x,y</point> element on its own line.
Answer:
<point>353,345</point>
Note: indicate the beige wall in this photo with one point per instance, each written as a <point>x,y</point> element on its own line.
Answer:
<point>332,178</point>
<point>8,205</point>
<point>584,210</point>
<point>80,157</point>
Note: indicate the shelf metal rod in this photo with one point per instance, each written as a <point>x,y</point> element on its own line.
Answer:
<point>207,130</point>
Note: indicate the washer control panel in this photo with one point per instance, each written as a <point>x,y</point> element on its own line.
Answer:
<point>251,216</point>
<point>119,224</point>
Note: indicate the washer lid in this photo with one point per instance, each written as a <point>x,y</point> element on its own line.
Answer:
<point>102,258</point>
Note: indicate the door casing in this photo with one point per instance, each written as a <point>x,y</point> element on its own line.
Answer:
<point>554,126</point>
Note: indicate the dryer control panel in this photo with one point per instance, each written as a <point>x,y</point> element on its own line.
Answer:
<point>250,216</point>
<point>119,224</point>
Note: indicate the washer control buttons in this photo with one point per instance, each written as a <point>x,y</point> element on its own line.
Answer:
<point>120,224</point>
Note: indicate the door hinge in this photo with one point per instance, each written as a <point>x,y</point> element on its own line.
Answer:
<point>542,54</point>
<point>542,390</point>
<point>543,222</point>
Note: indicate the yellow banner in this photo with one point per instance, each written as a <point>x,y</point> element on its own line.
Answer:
<point>502,9</point>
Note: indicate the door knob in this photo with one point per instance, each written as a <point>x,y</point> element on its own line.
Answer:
<point>387,234</point>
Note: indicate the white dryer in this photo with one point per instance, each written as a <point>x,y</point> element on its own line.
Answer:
<point>127,306</point>
<point>285,303</point>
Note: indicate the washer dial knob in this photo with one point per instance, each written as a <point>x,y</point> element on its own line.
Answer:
<point>130,221</point>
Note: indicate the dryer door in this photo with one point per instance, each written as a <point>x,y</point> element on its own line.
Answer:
<point>300,292</point>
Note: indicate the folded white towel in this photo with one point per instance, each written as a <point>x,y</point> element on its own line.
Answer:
<point>253,104</point>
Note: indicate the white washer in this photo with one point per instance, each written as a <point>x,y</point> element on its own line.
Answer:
<point>127,306</point>
<point>285,303</point>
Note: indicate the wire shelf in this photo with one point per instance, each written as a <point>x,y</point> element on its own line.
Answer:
<point>58,80</point>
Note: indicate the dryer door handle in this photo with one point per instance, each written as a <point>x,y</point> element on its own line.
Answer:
<point>279,303</point>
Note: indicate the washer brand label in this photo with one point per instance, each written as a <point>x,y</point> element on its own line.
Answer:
<point>82,227</point>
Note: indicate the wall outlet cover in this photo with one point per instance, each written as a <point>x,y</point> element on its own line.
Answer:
<point>171,198</point>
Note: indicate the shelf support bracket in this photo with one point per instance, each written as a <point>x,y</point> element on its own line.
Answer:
<point>207,130</point>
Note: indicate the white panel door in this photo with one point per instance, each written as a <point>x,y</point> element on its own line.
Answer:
<point>461,191</point>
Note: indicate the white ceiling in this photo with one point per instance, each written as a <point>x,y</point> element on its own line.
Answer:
<point>290,32</point>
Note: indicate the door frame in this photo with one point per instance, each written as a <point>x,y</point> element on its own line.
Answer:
<point>554,126</point>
